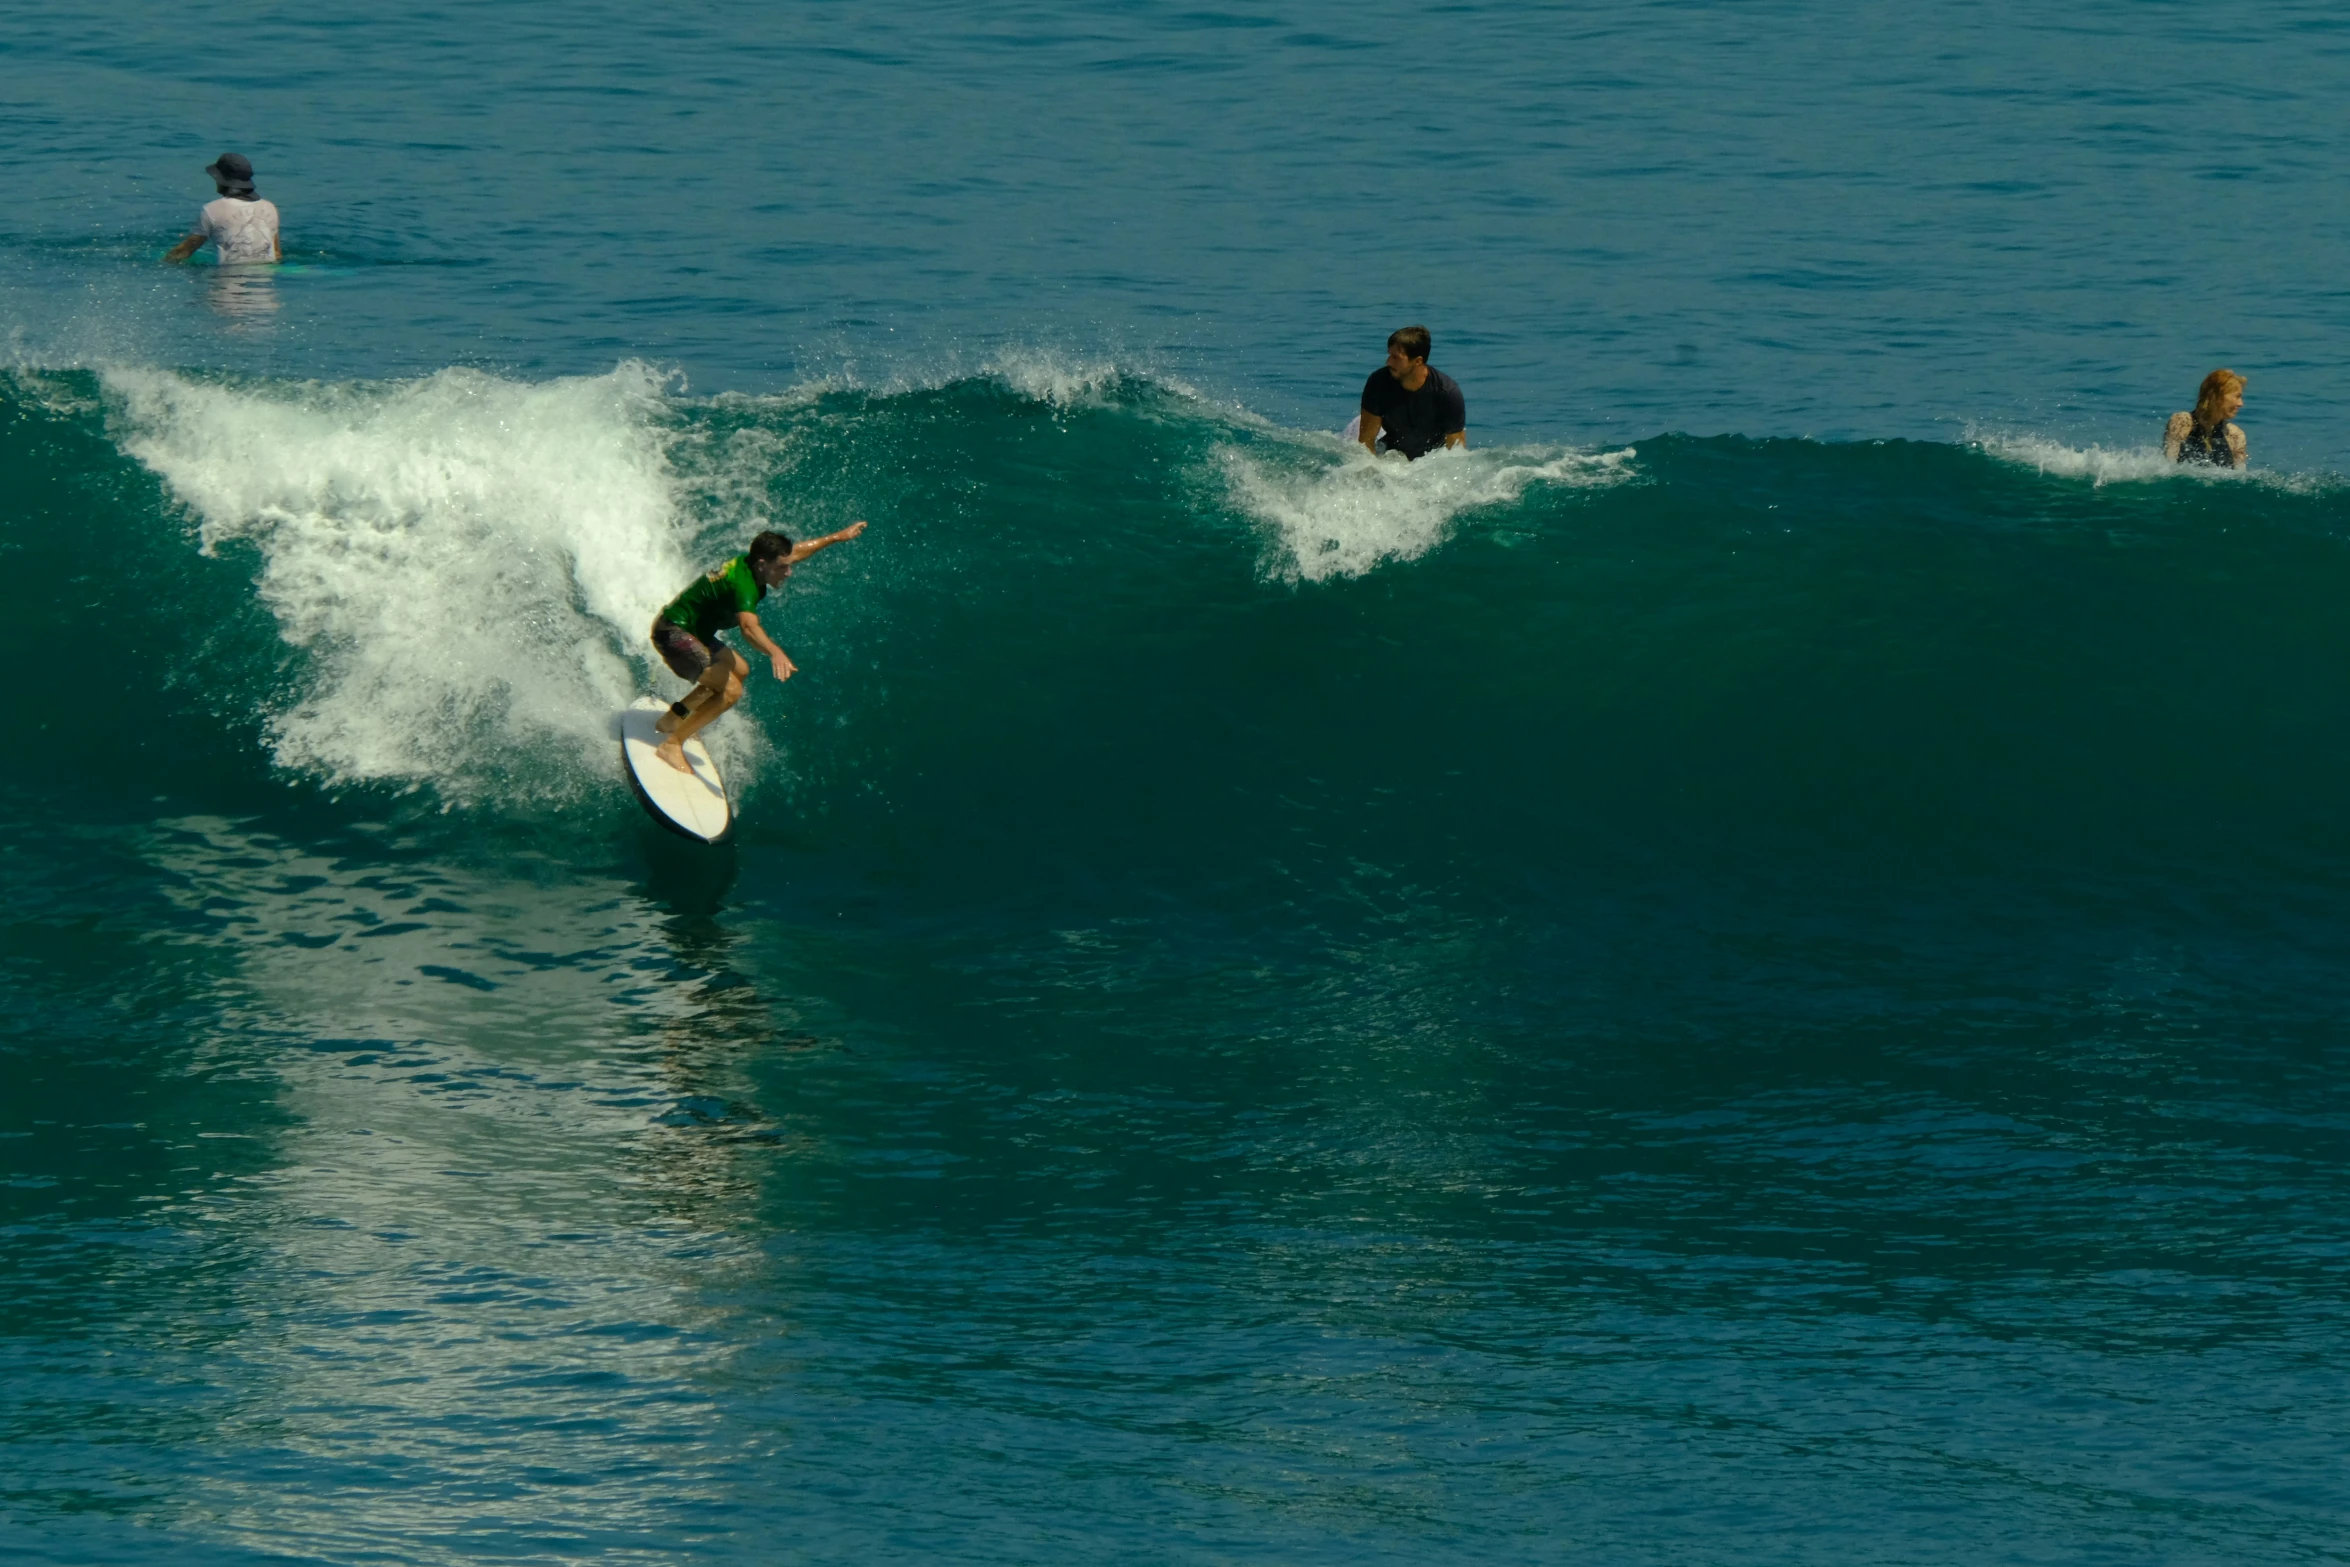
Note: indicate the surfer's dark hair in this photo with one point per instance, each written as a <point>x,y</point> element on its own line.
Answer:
<point>768,546</point>
<point>1413,340</point>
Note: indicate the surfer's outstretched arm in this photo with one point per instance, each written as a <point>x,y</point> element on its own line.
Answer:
<point>800,552</point>
<point>753,633</point>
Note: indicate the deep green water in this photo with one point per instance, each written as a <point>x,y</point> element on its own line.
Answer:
<point>1713,999</point>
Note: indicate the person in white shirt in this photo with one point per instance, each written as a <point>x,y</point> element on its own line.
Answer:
<point>241,226</point>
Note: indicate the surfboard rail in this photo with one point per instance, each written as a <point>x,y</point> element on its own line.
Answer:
<point>693,805</point>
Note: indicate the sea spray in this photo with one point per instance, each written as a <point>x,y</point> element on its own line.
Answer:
<point>467,564</point>
<point>1340,518</point>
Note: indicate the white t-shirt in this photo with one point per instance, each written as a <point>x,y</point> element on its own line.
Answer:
<point>241,230</point>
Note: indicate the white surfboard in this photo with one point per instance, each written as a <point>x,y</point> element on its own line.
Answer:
<point>691,803</point>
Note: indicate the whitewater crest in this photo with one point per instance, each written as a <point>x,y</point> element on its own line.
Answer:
<point>2097,464</point>
<point>1341,513</point>
<point>2102,465</point>
<point>466,562</point>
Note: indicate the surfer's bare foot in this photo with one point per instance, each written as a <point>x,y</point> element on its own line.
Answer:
<point>673,752</point>
<point>665,723</point>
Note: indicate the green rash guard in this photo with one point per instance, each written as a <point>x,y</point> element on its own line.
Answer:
<point>710,604</point>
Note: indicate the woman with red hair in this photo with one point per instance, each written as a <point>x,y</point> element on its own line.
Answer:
<point>2206,435</point>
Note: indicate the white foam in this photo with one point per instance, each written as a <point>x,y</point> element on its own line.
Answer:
<point>51,392</point>
<point>2140,464</point>
<point>468,563</point>
<point>2097,464</point>
<point>1342,512</point>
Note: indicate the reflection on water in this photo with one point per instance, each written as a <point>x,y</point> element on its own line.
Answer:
<point>477,1228</point>
<point>539,1210</point>
<point>690,880</point>
<point>247,295</point>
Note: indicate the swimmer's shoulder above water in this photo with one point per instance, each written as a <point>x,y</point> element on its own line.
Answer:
<point>239,225</point>
<point>1408,407</point>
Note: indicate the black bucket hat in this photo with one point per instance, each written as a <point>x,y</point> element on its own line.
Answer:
<point>233,171</point>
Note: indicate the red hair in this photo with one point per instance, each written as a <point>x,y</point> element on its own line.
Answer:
<point>2209,414</point>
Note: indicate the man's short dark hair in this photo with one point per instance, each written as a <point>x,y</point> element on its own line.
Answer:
<point>768,546</point>
<point>1413,340</point>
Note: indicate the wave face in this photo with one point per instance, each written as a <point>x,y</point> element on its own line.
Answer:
<point>1640,961</point>
<point>1096,616</point>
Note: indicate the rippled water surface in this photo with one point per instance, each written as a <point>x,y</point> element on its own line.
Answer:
<point>1749,970</point>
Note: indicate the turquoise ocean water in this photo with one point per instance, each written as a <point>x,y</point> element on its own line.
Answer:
<point>1752,970</point>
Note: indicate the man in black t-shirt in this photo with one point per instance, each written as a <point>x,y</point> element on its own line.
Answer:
<point>1408,407</point>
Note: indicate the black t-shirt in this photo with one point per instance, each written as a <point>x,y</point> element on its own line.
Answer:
<point>1415,423</point>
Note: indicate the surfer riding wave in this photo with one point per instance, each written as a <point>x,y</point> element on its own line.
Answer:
<point>685,634</point>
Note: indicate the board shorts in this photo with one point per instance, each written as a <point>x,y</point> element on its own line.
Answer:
<point>687,655</point>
